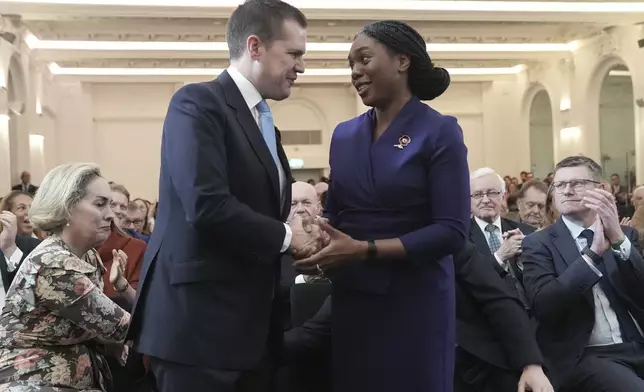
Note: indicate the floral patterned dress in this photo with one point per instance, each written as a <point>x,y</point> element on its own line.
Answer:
<point>54,322</point>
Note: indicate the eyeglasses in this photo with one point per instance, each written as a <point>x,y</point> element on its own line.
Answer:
<point>489,194</point>
<point>575,185</point>
<point>136,222</point>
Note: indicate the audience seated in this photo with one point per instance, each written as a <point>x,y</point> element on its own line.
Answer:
<point>497,238</point>
<point>584,277</point>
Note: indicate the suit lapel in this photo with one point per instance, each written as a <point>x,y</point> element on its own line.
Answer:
<point>478,238</point>
<point>507,225</point>
<point>286,207</point>
<point>564,243</point>
<point>235,100</point>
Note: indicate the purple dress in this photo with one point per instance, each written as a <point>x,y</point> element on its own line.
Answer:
<point>394,321</point>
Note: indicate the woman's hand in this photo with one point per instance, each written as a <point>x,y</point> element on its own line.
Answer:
<point>340,248</point>
<point>117,270</point>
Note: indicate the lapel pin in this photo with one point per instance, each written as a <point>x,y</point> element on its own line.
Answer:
<point>403,142</point>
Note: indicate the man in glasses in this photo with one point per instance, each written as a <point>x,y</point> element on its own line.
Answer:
<point>498,239</point>
<point>584,278</point>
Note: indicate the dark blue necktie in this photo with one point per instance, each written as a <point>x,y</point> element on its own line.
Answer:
<point>626,323</point>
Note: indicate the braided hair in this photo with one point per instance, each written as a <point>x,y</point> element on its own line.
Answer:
<point>425,81</point>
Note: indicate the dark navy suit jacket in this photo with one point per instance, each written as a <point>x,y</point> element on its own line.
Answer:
<point>559,284</point>
<point>211,269</point>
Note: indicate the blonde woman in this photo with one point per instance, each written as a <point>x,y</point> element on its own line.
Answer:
<point>56,318</point>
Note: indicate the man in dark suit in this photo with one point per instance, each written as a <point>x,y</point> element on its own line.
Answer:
<point>25,184</point>
<point>206,307</point>
<point>497,349</point>
<point>497,238</point>
<point>13,249</point>
<point>584,276</point>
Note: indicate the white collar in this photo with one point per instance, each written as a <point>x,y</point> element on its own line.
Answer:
<point>575,228</point>
<point>248,91</point>
<point>483,224</point>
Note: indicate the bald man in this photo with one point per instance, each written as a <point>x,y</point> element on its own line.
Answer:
<point>304,200</point>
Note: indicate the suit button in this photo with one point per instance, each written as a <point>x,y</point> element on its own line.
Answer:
<point>583,286</point>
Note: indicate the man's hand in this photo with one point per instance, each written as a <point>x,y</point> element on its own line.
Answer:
<point>600,242</point>
<point>511,247</point>
<point>307,237</point>
<point>533,379</point>
<point>9,225</point>
<point>603,203</point>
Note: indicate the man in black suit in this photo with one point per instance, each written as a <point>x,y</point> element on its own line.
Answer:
<point>13,249</point>
<point>584,276</point>
<point>25,184</point>
<point>497,349</point>
<point>497,238</point>
<point>206,311</point>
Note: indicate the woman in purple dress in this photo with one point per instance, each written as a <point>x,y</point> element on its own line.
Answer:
<point>397,208</point>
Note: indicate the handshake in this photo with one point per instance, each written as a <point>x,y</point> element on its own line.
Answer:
<point>316,246</point>
<point>308,237</point>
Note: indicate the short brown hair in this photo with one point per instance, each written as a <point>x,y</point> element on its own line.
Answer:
<point>580,160</point>
<point>263,18</point>
<point>120,189</point>
<point>536,184</point>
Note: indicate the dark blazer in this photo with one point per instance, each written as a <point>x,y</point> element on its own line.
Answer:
<point>480,240</point>
<point>31,189</point>
<point>491,322</point>
<point>559,284</point>
<point>26,244</point>
<point>212,266</point>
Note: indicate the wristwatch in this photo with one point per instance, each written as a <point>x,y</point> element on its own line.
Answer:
<point>372,250</point>
<point>593,256</point>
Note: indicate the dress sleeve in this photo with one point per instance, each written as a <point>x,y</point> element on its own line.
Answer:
<point>449,183</point>
<point>72,295</point>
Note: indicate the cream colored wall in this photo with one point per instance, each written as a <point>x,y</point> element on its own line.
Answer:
<point>119,125</point>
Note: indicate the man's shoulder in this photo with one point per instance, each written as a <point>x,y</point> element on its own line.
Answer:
<point>525,229</point>
<point>539,236</point>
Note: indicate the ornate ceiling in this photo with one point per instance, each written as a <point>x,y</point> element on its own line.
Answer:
<point>189,21</point>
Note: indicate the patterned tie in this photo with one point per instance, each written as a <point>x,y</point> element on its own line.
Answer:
<point>495,242</point>
<point>267,128</point>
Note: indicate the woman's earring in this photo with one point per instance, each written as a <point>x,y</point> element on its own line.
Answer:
<point>67,224</point>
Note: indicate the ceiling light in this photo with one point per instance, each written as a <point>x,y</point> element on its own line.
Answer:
<point>616,72</point>
<point>34,43</point>
<point>410,5</point>
<point>57,70</point>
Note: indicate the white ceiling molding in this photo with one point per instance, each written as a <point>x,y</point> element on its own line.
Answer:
<point>35,43</point>
<point>367,5</point>
<point>55,69</point>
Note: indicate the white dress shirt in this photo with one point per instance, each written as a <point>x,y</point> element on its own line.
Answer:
<point>606,330</point>
<point>12,262</point>
<point>499,233</point>
<point>252,98</point>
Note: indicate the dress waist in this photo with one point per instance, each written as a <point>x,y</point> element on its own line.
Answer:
<point>380,223</point>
